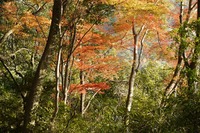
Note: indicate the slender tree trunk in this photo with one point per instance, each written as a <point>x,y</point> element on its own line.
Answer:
<point>68,63</point>
<point>172,85</point>
<point>58,77</point>
<point>57,97</point>
<point>82,95</point>
<point>132,77</point>
<point>134,68</point>
<point>35,91</point>
<point>192,74</point>
<point>129,100</point>
<point>6,35</point>
<point>66,80</point>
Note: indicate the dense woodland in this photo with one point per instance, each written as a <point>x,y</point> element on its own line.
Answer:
<point>100,66</point>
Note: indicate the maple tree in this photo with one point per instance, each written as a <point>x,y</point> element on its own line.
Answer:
<point>94,60</point>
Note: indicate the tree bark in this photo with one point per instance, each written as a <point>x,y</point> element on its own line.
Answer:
<point>82,95</point>
<point>7,34</point>
<point>172,85</point>
<point>57,75</point>
<point>134,68</point>
<point>68,63</point>
<point>192,74</point>
<point>53,39</point>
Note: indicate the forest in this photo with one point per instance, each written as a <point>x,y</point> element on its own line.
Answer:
<point>100,66</point>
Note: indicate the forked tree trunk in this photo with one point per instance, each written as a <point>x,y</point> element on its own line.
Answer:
<point>35,91</point>
<point>134,68</point>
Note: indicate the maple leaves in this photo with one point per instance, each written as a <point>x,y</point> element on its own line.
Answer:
<point>31,21</point>
<point>9,10</point>
<point>24,22</point>
<point>82,88</point>
<point>91,57</point>
<point>94,52</point>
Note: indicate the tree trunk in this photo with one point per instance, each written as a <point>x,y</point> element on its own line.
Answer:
<point>35,91</point>
<point>6,35</point>
<point>66,79</point>
<point>68,62</point>
<point>82,96</point>
<point>192,74</point>
<point>134,68</point>
<point>57,74</point>
<point>129,100</point>
<point>172,85</point>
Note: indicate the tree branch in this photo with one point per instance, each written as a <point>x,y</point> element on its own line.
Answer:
<point>79,43</point>
<point>12,77</point>
<point>6,35</point>
<point>141,29</point>
<point>2,57</point>
<point>89,102</point>
<point>39,9</point>
<point>141,49</point>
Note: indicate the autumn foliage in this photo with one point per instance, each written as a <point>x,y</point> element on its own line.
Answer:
<point>58,56</point>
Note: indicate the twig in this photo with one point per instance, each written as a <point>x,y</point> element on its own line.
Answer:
<point>39,9</point>
<point>89,102</point>
<point>141,48</point>
<point>12,77</point>
<point>79,43</point>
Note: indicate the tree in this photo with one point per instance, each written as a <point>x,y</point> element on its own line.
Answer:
<point>94,61</point>
<point>182,48</point>
<point>185,79</point>
<point>140,28</point>
<point>22,63</point>
<point>187,44</point>
<point>53,39</point>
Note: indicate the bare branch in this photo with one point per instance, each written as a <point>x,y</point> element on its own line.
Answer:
<point>6,35</point>
<point>79,43</point>
<point>141,48</point>
<point>39,9</point>
<point>12,77</point>
<point>3,57</point>
<point>159,42</point>
<point>141,29</point>
<point>89,102</point>
<point>190,8</point>
<point>156,2</point>
<point>194,6</point>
